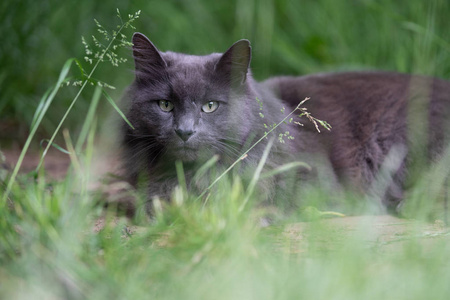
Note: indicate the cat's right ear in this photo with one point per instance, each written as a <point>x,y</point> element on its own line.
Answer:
<point>147,58</point>
<point>235,62</point>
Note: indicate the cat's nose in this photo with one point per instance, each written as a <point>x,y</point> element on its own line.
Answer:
<point>184,134</point>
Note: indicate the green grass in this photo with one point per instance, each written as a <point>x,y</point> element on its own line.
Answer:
<point>192,250</point>
<point>288,37</point>
<point>49,249</point>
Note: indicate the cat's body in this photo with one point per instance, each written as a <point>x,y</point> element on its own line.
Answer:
<point>374,114</point>
<point>189,108</point>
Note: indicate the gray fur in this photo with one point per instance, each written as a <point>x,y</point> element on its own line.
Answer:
<point>369,111</point>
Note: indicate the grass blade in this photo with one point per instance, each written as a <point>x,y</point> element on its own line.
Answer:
<point>114,105</point>
<point>285,168</point>
<point>89,118</point>
<point>257,174</point>
<point>205,167</point>
<point>62,76</point>
<point>39,109</point>
<point>56,146</point>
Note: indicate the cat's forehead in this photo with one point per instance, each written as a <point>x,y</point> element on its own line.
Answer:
<point>176,60</point>
<point>189,75</point>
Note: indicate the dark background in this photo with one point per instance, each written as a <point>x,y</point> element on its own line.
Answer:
<point>288,37</point>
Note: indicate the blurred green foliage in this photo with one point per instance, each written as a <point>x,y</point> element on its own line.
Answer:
<point>48,249</point>
<point>288,37</point>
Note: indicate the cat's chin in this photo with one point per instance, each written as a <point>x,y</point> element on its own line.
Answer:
<point>186,154</point>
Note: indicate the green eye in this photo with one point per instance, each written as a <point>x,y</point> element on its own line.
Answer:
<point>165,105</point>
<point>210,106</point>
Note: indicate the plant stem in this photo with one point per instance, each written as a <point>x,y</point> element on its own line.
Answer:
<point>47,100</point>
<point>77,96</point>
<point>245,154</point>
<point>38,120</point>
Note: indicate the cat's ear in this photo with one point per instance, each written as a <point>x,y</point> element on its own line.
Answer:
<point>235,62</point>
<point>147,58</point>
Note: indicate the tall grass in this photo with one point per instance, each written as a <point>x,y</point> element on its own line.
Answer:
<point>53,246</point>
<point>194,251</point>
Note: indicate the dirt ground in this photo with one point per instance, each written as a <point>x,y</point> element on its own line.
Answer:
<point>385,232</point>
<point>56,162</point>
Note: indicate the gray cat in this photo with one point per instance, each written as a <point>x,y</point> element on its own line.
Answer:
<point>189,108</point>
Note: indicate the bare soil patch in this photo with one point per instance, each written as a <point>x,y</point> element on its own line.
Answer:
<point>56,163</point>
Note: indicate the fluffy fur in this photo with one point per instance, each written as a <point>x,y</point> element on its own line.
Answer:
<point>371,114</point>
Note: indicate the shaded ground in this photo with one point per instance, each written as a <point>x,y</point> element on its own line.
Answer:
<point>384,233</point>
<point>56,162</point>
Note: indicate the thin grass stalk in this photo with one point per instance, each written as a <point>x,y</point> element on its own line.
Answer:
<point>180,175</point>
<point>72,153</point>
<point>118,110</point>
<point>245,154</point>
<point>89,152</point>
<point>257,174</point>
<point>89,119</point>
<point>284,168</point>
<point>87,79</point>
<point>62,77</point>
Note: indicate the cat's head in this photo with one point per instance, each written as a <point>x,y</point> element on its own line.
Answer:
<point>186,105</point>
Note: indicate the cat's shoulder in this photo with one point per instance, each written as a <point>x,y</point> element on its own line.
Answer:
<point>348,77</point>
<point>356,84</point>
<point>338,77</point>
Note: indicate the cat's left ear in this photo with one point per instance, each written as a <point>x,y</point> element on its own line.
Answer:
<point>236,61</point>
<point>147,58</point>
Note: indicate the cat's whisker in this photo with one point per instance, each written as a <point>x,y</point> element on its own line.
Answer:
<point>233,153</point>
<point>227,149</point>
<point>142,148</point>
<point>160,153</point>
<point>144,144</point>
<point>231,140</point>
<point>236,148</point>
<point>140,137</point>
